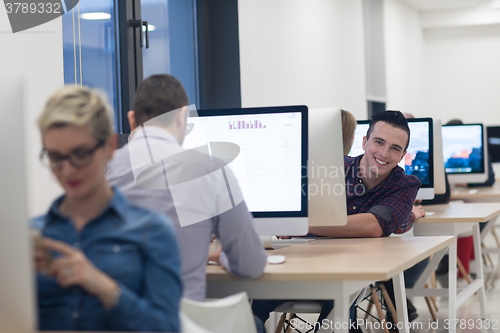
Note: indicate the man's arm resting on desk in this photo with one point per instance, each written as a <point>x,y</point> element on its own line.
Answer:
<point>363,225</point>
<point>242,251</point>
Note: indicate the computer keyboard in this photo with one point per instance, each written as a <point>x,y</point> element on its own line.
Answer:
<point>293,240</point>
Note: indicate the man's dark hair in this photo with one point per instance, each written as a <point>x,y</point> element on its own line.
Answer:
<point>393,118</point>
<point>157,95</point>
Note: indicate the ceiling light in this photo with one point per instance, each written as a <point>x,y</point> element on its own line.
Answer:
<point>95,16</point>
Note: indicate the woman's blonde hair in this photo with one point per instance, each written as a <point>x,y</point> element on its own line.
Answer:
<point>79,106</point>
<point>348,127</point>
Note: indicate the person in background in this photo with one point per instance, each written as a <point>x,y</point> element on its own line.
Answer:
<point>386,203</point>
<point>412,274</point>
<point>243,255</point>
<point>349,124</point>
<point>159,119</point>
<point>115,266</point>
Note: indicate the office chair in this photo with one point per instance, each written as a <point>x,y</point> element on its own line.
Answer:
<point>291,308</point>
<point>226,315</point>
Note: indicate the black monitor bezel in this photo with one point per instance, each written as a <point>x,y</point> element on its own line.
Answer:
<point>304,148</point>
<point>493,152</point>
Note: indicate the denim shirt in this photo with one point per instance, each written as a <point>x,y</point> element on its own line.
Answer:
<point>135,247</point>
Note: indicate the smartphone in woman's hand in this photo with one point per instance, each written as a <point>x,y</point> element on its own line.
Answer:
<point>42,256</point>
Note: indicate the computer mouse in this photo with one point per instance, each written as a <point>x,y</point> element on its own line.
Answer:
<point>276,259</point>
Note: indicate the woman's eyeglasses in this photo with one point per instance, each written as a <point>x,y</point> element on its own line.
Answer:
<point>78,158</point>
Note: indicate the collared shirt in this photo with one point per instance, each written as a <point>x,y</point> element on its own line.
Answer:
<point>243,253</point>
<point>135,247</point>
<point>391,201</point>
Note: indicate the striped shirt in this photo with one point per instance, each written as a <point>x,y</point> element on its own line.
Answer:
<point>243,253</point>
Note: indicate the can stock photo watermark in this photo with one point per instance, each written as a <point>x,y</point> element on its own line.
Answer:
<point>26,14</point>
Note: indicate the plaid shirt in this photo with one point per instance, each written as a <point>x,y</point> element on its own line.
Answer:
<point>391,201</point>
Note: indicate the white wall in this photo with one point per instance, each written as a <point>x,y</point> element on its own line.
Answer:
<point>37,54</point>
<point>462,74</point>
<point>374,50</point>
<point>303,52</point>
<point>444,63</point>
<point>404,58</point>
<point>482,14</point>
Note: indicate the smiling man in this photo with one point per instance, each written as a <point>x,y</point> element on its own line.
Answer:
<point>385,203</point>
<point>379,194</point>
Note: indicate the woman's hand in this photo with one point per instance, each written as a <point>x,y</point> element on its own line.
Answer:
<point>41,256</point>
<point>418,211</point>
<point>73,268</point>
<point>42,262</point>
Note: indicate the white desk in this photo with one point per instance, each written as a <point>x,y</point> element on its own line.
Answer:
<point>451,220</point>
<point>478,194</point>
<point>481,194</point>
<point>333,269</point>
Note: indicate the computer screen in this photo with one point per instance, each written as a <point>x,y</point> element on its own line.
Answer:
<point>464,153</point>
<point>493,135</point>
<point>357,144</point>
<point>271,167</point>
<point>419,159</point>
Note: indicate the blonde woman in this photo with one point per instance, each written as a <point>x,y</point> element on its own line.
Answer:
<point>349,124</point>
<point>114,266</point>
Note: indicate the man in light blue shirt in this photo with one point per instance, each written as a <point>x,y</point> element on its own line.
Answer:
<point>149,185</point>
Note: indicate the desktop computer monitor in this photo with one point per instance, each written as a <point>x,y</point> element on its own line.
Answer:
<point>493,135</point>
<point>359,134</point>
<point>464,155</point>
<point>271,166</point>
<point>419,159</point>
<point>17,296</point>
<point>327,198</point>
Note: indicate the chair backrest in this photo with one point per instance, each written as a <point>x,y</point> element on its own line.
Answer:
<point>227,315</point>
<point>189,326</point>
